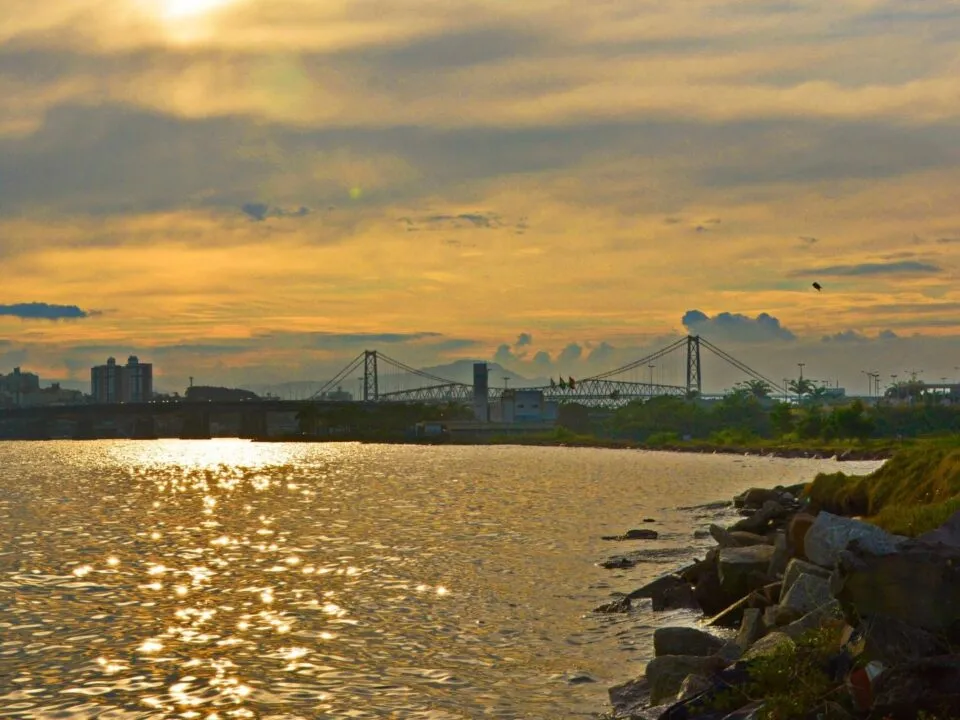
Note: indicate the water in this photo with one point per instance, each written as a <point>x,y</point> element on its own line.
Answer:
<point>225,579</point>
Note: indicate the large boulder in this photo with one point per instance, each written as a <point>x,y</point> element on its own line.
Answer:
<point>781,555</point>
<point>759,522</point>
<point>667,673</point>
<point>656,586</point>
<point>829,536</point>
<point>708,592</point>
<point>931,685</point>
<point>807,593</point>
<point>736,538</point>
<point>678,597</point>
<point>892,641</point>
<point>619,605</point>
<point>692,686</point>
<point>796,568</point>
<point>768,645</point>
<point>743,569</point>
<point>797,530</point>
<point>756,497</point>
<point>685,641</point>
<point>919,585</point>
<point>817,618</point>
<point>751,628</point>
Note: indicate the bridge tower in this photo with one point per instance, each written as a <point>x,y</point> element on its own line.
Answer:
<point>371,386</point>
<point>694,378</point>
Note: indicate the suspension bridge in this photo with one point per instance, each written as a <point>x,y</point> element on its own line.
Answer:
<point>673,370</point>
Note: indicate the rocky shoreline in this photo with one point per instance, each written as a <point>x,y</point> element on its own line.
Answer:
<point>834,618</point>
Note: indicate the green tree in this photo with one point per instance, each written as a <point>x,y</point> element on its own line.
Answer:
<point>760,389</point>
<point>781,417</point>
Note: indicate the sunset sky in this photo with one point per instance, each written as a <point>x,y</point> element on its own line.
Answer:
<point>253,191</point>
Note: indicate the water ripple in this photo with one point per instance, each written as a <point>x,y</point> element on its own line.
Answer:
<point>221,579</point>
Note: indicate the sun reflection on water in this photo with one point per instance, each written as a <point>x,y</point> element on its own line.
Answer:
<point>227,579</point>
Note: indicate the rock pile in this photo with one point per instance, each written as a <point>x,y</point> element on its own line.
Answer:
<point>782,572</point>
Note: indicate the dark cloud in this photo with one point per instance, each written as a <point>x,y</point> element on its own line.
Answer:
<point>948,240</point>
<point>570,353</point>
<point>847,336</point>
<point>888,335</point>
<point>524,339</point>
<point>44,311</point>
<point>809,240</point>
<point>602,353</point>
<point>542,359</point>
<point>262,211</point>
<point>736,327</point>
<point>504,354</point>
<point>474,219</point>
<point>889,268</point>
<point>323,338</point>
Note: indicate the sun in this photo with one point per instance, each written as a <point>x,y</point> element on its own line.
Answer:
<point>186,9</point>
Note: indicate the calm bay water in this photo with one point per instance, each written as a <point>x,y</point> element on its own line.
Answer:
<point>226,579</point>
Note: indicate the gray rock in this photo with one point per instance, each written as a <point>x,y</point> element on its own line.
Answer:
<point>685,641</point>
<point>919,585</point>
<point>776,616</point>
<point>781,556</point>
<point>931,684</point>
<point>892,641</point>
<point>756,497</point>
<point>807,593</point>
<point>796,568</point>
<point>751,628</point>
<point>656,586</point>
<point>743,569</point>
<point>759,522</point>
<point>830,534</point>
<point>769,644</point>
<point>678,597</point>
<point>692,686</point>
<point>637,534</point>
<point>726,538</point>
<point>813,620</point>
<point>667,673</point>
<point>620,605</point>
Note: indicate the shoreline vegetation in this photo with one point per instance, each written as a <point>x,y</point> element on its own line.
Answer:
<point>745,421</point>
<point>843,594</point>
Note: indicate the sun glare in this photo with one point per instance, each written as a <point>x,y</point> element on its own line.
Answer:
<point>185,9</point>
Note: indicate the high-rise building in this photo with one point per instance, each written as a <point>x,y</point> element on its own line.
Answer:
<point>112,383</point>
<point>137,380</point>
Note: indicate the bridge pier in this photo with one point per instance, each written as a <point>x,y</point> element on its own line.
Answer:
<point>196,424</point>
<point>253,423</point>
<point>144,428</point>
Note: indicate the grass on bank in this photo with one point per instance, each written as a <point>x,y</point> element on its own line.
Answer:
<point>915,491</point>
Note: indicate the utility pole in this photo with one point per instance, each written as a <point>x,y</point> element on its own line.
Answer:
<point>505,381</point>
<point>800,365</point>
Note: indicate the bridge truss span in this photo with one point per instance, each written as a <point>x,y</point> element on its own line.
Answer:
<point>677,366</point>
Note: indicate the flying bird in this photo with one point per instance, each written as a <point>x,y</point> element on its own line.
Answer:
<point>816,286</point>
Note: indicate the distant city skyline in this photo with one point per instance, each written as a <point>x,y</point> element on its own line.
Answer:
<point>252,192</point>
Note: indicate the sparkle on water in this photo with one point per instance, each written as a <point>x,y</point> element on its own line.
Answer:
<point>225,579</point>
